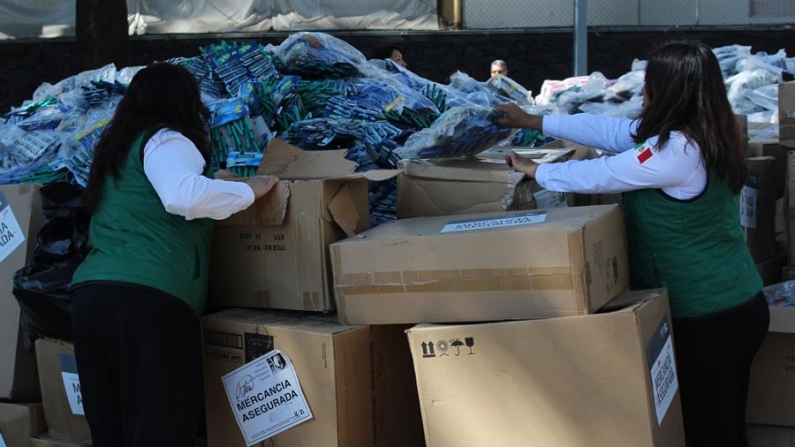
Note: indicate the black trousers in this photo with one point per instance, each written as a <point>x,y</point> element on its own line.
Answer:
<point>139,360</point>
<point>714,355</point>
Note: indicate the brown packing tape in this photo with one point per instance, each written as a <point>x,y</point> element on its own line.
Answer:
<point>403,277</point>
<point>543,282</point>
<point>577,256</point>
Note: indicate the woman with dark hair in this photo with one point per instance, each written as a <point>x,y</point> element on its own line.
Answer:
<point>140,290</point>
<point>681,166</point>
<point>391,52</point>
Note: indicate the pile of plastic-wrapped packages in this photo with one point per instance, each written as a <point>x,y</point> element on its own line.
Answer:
<point>317,92</point>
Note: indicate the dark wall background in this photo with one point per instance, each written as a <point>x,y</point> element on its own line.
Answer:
<point>532,56</point>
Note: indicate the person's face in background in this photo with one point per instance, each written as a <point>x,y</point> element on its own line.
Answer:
<point>498,69</point>
<point>397,56</point>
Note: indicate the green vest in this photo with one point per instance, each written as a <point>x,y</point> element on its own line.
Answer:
<point>134,240</point>
<point>695,248</point>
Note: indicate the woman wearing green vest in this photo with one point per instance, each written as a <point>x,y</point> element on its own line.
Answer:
<point>681,166</point>
<point>139,292</point>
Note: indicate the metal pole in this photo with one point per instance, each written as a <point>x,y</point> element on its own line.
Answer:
<point>580,37</point>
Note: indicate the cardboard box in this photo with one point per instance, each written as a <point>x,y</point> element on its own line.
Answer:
<point>764,142</point>
<point>771,388</point>
<point>485,184</point>
<point>770,436</point>
<point>604,380</point>
<point>46,441</point>
<point>274,254</point>
<point>18,379</point>
<point>20,422</point>
<point>482,267</point>
<point>396,405</point>
<point>790,205</point>
<point>60,391</point>
<point>786,113</point>
<point>357,379</point>
<point>772,269</point>
<point>758,208</point>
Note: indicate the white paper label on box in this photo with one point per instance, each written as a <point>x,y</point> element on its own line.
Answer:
<point>546,199</point>
<point>748,207</point>
<point>662,365</point>
<point>266,397</point>
<point>71,383</point>
<point>499,222</point>
<point>11,235</point>
<point>2,441</point>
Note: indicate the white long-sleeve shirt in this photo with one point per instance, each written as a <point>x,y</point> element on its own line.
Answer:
<point>676,168</point>
<point>174,167</point>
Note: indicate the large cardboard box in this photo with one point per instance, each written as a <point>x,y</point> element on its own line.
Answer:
<point>20,422</point>
<point>789,212</point>
<point>18,379</point>
<point>484,267</point>
<point>786,113</point>
<point>770,436</point>
<point>274,254</point>
<point>47,441</point>
<point>758,208</point>
<point>604,380</point>
<point>357,380</point>
<point>477,185</point>
<point>396,405</point>
<point>764,142</point>
<point>771,389</point>
<point>60,391</point>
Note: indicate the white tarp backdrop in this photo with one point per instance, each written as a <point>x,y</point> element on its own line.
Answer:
<point>53,18</point>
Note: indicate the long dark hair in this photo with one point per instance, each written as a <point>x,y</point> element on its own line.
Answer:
<point>685,92</point>
<point>161,95</point>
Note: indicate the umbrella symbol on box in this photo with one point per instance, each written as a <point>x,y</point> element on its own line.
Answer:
<point>457,343</point>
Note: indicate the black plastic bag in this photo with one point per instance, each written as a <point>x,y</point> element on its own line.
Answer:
<point>41,287</point>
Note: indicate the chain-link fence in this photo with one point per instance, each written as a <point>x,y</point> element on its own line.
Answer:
<point>502,14</point>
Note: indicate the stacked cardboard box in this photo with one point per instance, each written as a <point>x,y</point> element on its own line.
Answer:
<point>358,381</point>
<point>21,207</point>
<point>61,394</point>
<point>494,266</point>
<point>19,423</point>
<point>596,369</point>
<point>484,184</point>
<point>274,254</point>
<point>598,380</point>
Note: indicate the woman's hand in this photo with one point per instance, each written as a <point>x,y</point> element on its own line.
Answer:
<point>514,116</point>
<point>521,164</point>
<point>261,184</point>
<point>223,174</point>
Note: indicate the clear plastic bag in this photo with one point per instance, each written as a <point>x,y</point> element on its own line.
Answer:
<point>781,294</point>
<point>507,87</point>
<point>320,54</point>
<point>459,132</point>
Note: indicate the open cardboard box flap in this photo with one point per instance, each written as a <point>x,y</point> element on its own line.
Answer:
<point>289,162</point>
<point>269,210</point>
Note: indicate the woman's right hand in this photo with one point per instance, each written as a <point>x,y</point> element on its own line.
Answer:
<point>262,184</point>
<point>514,116</point>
